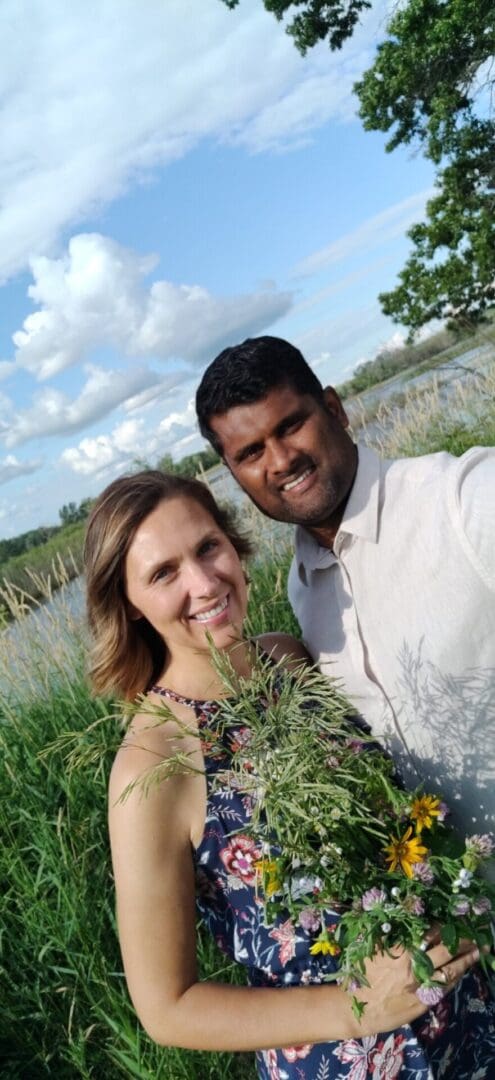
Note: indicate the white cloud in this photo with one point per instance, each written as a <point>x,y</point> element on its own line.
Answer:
<point>376,231</point>
<point>11,468</point>
<point>130,441</point>
<point>94,295</point>
<point>53,413</point>
<point>85,110</point>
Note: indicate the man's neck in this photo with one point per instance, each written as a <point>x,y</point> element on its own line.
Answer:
<point>325,533</point>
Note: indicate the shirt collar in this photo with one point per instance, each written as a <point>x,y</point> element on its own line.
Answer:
<point>360,516</point>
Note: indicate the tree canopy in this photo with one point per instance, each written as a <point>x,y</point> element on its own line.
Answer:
<point>333,20</point>
<point>431,85</point>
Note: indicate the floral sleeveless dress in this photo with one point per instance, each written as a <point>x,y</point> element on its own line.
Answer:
<point>453,1041</point>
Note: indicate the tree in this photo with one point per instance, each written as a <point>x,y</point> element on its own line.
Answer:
<point>320,19</point>
<point>432,84</point>
<point>451,271</point>
<point>70,513</point>
<point>431,74</point>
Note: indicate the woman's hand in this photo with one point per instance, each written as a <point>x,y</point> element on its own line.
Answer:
<point>391,999</point>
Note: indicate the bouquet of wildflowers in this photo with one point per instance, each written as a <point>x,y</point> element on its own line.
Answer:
<point>338,832</point>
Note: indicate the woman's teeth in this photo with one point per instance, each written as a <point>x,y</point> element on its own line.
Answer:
<point>203,616</point>
<point>299,479</point>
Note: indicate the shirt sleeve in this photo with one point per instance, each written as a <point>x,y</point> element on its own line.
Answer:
<point>474,508</point>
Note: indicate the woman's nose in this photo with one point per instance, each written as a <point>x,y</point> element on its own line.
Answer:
<point>202,580</point>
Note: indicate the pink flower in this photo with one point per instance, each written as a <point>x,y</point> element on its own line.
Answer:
<point>293,1053</point>
<point>309,920</point>
<point>239,858</point>
<point>481,905</point>
<point>286,937</point>
<point>241,737</point>
<point>270,1060</point>
<point>481,845</point>
<point>443,811</point>
<point>430,995</point>
<point>460,906</point>
<point>373,898</point>
<point>388,1058</point>
<point>356,1054</point>
<point>423,872</point>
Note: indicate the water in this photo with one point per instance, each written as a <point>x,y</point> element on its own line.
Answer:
<point>225,489</point>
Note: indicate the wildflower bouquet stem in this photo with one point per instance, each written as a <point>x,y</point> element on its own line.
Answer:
<point>337,832</point>
<point>344,850</point>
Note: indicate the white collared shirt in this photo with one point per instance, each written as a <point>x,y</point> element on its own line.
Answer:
<point>403,612</point>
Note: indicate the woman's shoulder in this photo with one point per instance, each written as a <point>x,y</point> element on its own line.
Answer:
<point>154,735</point>
<point>285,648</point>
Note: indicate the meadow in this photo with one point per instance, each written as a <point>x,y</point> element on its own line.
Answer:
<point>65,1009</point>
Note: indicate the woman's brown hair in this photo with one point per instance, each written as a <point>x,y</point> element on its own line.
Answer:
<point>127,655</point>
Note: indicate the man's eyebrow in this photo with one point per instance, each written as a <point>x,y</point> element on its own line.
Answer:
<point>292,418</point>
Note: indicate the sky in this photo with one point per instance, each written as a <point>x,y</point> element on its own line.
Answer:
<point>174,178</point>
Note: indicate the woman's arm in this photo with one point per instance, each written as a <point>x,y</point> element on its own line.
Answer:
<point>154,875</point>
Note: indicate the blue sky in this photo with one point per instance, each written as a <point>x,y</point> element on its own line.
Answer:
<point>174,177</point>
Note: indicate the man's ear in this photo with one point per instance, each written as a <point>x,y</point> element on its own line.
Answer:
<point>335,406</point>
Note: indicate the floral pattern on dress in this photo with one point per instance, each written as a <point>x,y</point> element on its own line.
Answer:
<point>453,1041</point>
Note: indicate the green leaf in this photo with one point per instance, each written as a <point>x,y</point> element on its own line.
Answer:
<point>450,937</point>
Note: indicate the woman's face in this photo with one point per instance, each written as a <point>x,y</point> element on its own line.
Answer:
<point>185,577</point>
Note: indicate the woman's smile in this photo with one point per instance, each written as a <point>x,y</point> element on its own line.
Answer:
<point>184,576</point>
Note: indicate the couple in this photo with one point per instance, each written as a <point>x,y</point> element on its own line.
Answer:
<point>391,585</point>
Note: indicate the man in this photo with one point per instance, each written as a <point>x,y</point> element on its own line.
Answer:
<point>393,578</point>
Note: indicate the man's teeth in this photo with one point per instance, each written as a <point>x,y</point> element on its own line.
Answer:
<point>299,479</point>
<point>203,616</point>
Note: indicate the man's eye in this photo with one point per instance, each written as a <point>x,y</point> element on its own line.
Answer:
<point>250,453</point>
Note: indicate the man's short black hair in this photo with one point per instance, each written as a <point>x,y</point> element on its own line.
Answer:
<point>244,374</point>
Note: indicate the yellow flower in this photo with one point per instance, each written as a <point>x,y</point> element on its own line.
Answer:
<point>423,810</point>
<point>325,945</point>
<point>267,870</point>
<point>405,852</point>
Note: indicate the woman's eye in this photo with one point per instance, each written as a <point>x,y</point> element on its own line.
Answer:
<point>207,546</point>
<point>162,573</point>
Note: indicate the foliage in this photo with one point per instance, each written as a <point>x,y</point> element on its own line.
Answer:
<point>71,513</point>
<point>451,271</point>
<point>18,545</point>
<point>327,816</point>
<point>334,20</point>
<point>430,72</point>
<point>65,1008</point>
<point>454,417</point>
<point>191,465</point>
<point>390,362</point>
<point>432,82</point>
<point>62,550</point>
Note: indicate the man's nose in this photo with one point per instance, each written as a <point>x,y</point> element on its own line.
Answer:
<point>281,456</point>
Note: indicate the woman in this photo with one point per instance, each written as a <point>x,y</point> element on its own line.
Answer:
<point>164,575</point>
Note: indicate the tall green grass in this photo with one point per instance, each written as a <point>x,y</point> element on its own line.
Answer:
<point>65,1009</point>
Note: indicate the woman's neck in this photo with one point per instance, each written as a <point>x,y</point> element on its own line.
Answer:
<point>194,675</point>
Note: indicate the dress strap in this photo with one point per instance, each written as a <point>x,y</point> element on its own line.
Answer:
<point>171,694</point>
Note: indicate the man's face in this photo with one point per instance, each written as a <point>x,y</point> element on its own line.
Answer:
<point>291,454</point>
